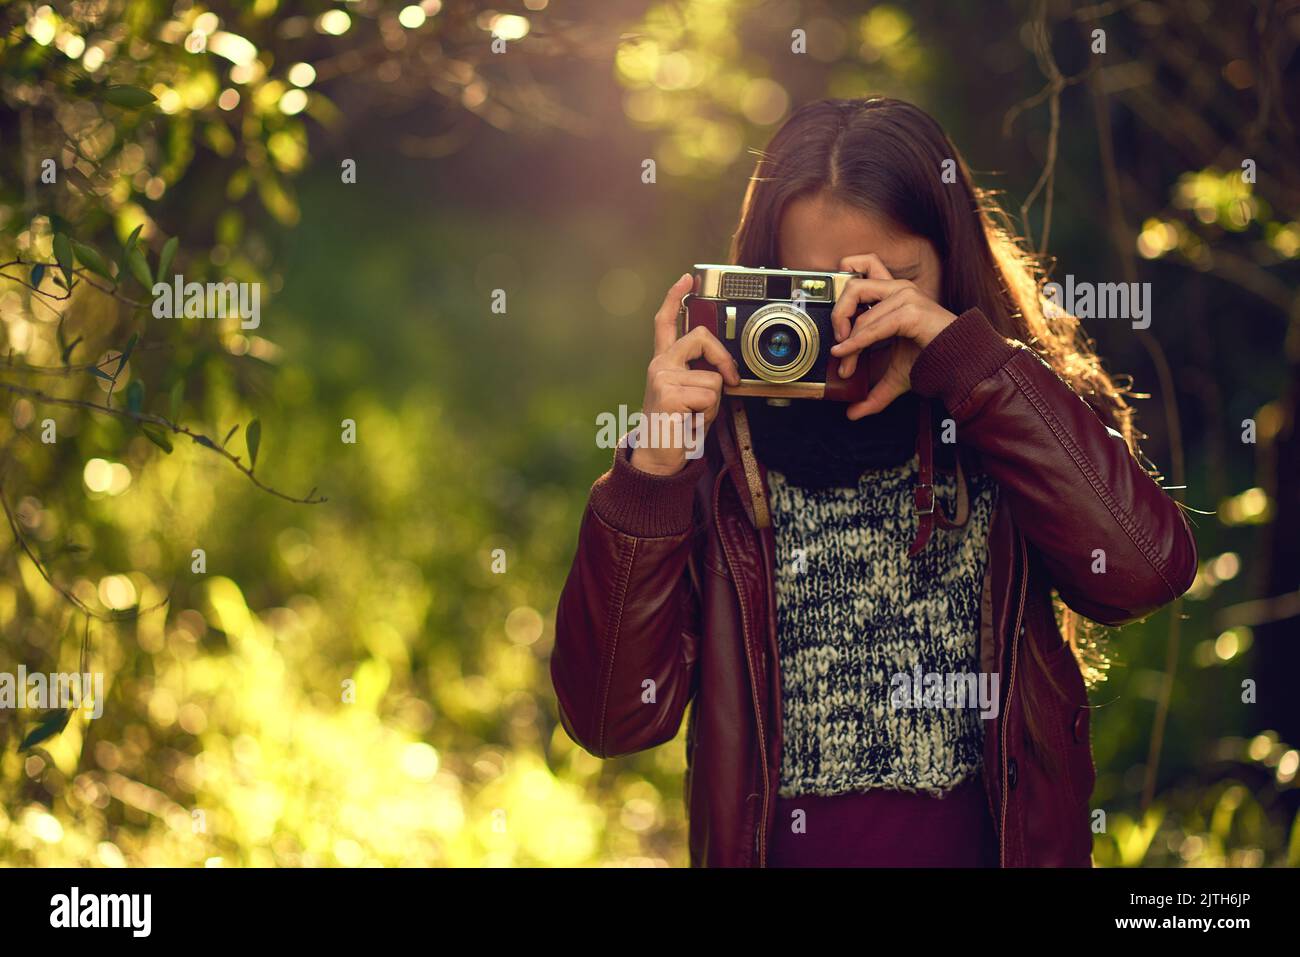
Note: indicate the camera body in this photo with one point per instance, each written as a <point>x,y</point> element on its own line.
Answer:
<point>776,323</point>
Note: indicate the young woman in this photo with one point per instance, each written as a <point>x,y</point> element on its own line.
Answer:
<point>789,582</point>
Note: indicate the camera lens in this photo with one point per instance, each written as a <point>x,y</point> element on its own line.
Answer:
<point>778,344</point>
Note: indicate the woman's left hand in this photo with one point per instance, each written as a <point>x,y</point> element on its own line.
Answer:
<point>901,309</point>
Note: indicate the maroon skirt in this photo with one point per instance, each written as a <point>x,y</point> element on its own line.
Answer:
<point>885,829</point>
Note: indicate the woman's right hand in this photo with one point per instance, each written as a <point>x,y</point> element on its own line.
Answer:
<point>673,388</point>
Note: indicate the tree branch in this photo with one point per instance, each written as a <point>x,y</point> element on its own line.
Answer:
<point>68,596</point>
<point>147,418</point>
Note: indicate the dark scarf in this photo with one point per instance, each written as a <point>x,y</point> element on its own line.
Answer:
<point>814,445</point>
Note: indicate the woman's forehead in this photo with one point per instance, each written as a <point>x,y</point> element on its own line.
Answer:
<point>818,232</point>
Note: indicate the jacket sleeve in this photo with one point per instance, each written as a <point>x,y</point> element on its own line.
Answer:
<point>1074,488</point>
<point>625,625</point>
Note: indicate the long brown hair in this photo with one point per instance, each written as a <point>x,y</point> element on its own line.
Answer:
<point>887,158</point>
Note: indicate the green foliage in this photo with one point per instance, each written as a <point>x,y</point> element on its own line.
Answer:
<point>63,256</point>
<point>165,259</point>
<point>49,726</point>
<point>128,97</point>
<point>92,260</point>
<point>253,436</point>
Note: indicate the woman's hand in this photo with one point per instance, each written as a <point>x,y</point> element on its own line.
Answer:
<point>673,387</point>
<point>901,309</point>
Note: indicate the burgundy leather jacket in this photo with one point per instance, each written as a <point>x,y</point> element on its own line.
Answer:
<point>671,601</point>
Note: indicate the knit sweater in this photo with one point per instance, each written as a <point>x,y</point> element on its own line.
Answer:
<point>854,613</point>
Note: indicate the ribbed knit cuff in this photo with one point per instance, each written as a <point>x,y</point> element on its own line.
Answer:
<point>644,505</point>
<point>966,353</point>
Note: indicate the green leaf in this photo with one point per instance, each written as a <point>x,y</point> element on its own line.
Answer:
<point>132,239</point>
<point>128,97</point>
<point>139,267</point>
<point>158,437</point>
<point>233,429</point>
<point>165,259</point>
<point>177,397</point>
<point>67,350</point>
<point>126,353</point>
<point>38,273</point>
<point>50,725</point>
<point>135,395</point>
<point>97,371</point>
<point>253,436</point>
<point>63,255</point>
<point>92,260</point>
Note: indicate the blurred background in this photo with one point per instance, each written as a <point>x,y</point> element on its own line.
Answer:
<point>363,680</point>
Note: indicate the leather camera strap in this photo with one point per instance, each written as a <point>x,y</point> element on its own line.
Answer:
<point>753,477</point>
<point>927,508</point>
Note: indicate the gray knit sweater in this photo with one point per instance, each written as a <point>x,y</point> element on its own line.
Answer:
<point>854,612</point>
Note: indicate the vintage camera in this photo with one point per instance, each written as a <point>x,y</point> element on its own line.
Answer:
<point>776,323</point>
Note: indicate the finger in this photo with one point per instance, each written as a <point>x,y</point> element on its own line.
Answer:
<point>695,398</point>
<point>700,343</point>
<point>845,307</point>
<point>666,317</point>
<point>872,327</point>
<point>859,291</point>
<point>889,306</point>
<point>869,264</point>
<point>882,393</point>
<point>700,378</point>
